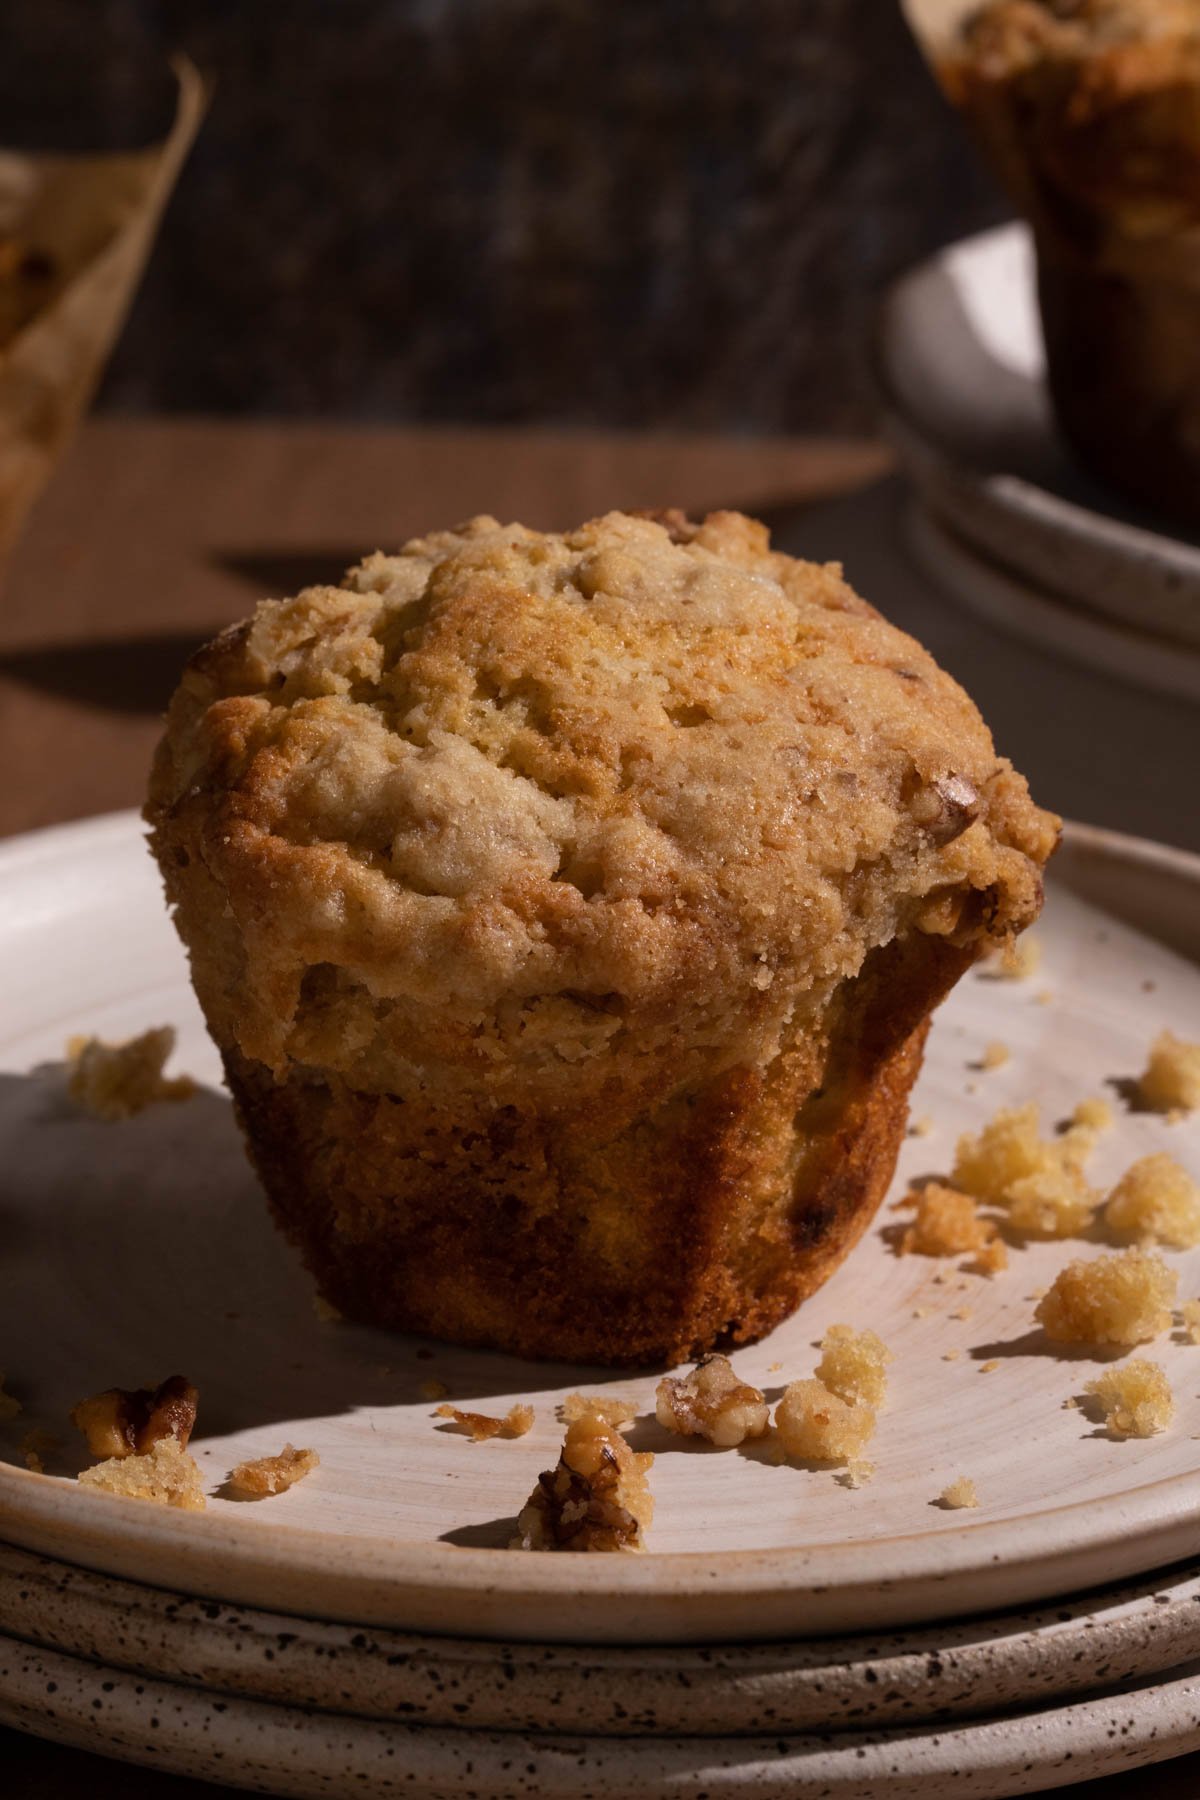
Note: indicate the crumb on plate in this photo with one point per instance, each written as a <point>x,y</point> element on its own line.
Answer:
<point>1155,1201</point>
<point>816,1425</point>
<point>1136,1398</point>
<point>945,1223</point>
<point>1016,960</point>
<point>995,1055</point>
<point>1170,1081</point>
<point>1189,1319</point>
<point>36,1445</point>
<point>1037,1181</point>
<point>855,1474</point>
<point>597,1498</point>
<point>854,1364</point>
<point>712,1402</point>
<point>166,1475</point>
<point>1093,1113</point>
<point>479,1427</point>
<point>264,1475</point>
<point>961,1492</point>
<point>608,1407</point>
<point>1124,1299</point>
<point>115,1081</point>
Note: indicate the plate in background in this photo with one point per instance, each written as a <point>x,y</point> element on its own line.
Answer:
<point>960,361</point>
<point>138,1249</point>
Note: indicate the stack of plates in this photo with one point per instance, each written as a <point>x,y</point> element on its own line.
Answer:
<point>370,1632</point>
<point>1008,520</point>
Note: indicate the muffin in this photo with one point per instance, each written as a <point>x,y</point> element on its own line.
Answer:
<point>1089,111</point>
<point>569,911</point>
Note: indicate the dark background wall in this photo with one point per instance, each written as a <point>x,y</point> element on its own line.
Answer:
<point>666,212</point>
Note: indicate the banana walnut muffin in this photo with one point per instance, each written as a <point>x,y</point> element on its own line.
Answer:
<point>569,911</point>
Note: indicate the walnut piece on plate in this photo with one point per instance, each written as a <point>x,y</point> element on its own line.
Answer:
<point>165,1475</point>
<point>263,1475</point>
<point>130,1421</point>
<point>712,1402</point>
<point>597,1498</point>
<point>115,1081</point>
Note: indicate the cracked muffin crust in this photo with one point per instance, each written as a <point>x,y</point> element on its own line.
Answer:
<point>569,909</point>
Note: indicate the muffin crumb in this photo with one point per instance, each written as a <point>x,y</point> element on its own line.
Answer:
<point>712,1402</point>
<point>816,1425</point>
<point>1189,1318</point>
<point>989,1367</point>
<point>855,1474</point>
<point>596,1499</point>
<point>854,1364</point>
<point>1136,1398</point>
<point>130,1421</point>
<point>946,1223</point>
<point>961,1492</point>
<point>1038,1182</point>
<point>1170,1082</point>
<point>479,1427</point>
<point>1016,960</point>
<point>1093,1113</point>
<point>264,1475</point>
<point>1155,1201</point>
<point>608,1407</point>
<point>991,1260</point>
<point>1123,1299</point>
<point>115,1081</point>
<point>994,1056</point>
<point>166,1475</point>
<point>36,1445</point>
<point>922,1127</point>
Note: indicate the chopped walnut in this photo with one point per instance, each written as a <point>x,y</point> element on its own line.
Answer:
<point>272,1474</point>
<point>600,1406</point>
<point>818,1426</point>
<point>36,1445</point>
<point>1015,960</point>
<point>1189,1318</point>
<point>166,1475</point>
<point>1038,1182</point>
<point>1093,1114</point>
<point>1122,1299</point>
<point>10,1406</point>
<point>128,1422</point>
<point>114,1081</point>
<point>945,807</point>
<point>1171,1079</point>
<point>960,1493</point>
<point>481,1426</point>
<point>945,1223</point>
<point>596,1499</point>
<point>854,1364</point>
<point>712,1403</point>
<point>1156,1201</point>
<point>1136,1398</point>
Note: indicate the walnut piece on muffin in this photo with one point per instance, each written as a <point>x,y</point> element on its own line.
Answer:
<point>569,910</point>
<point>712,1402</point>
<point>1125,1299</point>
<point>596,1499</point>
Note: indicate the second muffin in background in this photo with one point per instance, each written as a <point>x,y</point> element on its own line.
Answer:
<point>569,910</point>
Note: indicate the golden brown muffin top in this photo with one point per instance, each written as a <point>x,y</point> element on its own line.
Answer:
<point>512,798</point>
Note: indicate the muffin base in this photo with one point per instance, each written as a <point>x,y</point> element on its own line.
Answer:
<point>704,1222</point>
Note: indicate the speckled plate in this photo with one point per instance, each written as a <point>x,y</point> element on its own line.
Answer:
<point>284,1750</point>
<point>137,1249</point>
<point>955,1670</point>
<point>960,363</point>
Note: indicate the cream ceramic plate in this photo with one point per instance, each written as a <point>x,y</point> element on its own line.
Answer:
<point>135,1250</point>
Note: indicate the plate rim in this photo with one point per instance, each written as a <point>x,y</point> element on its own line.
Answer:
<point>655,1597</point>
